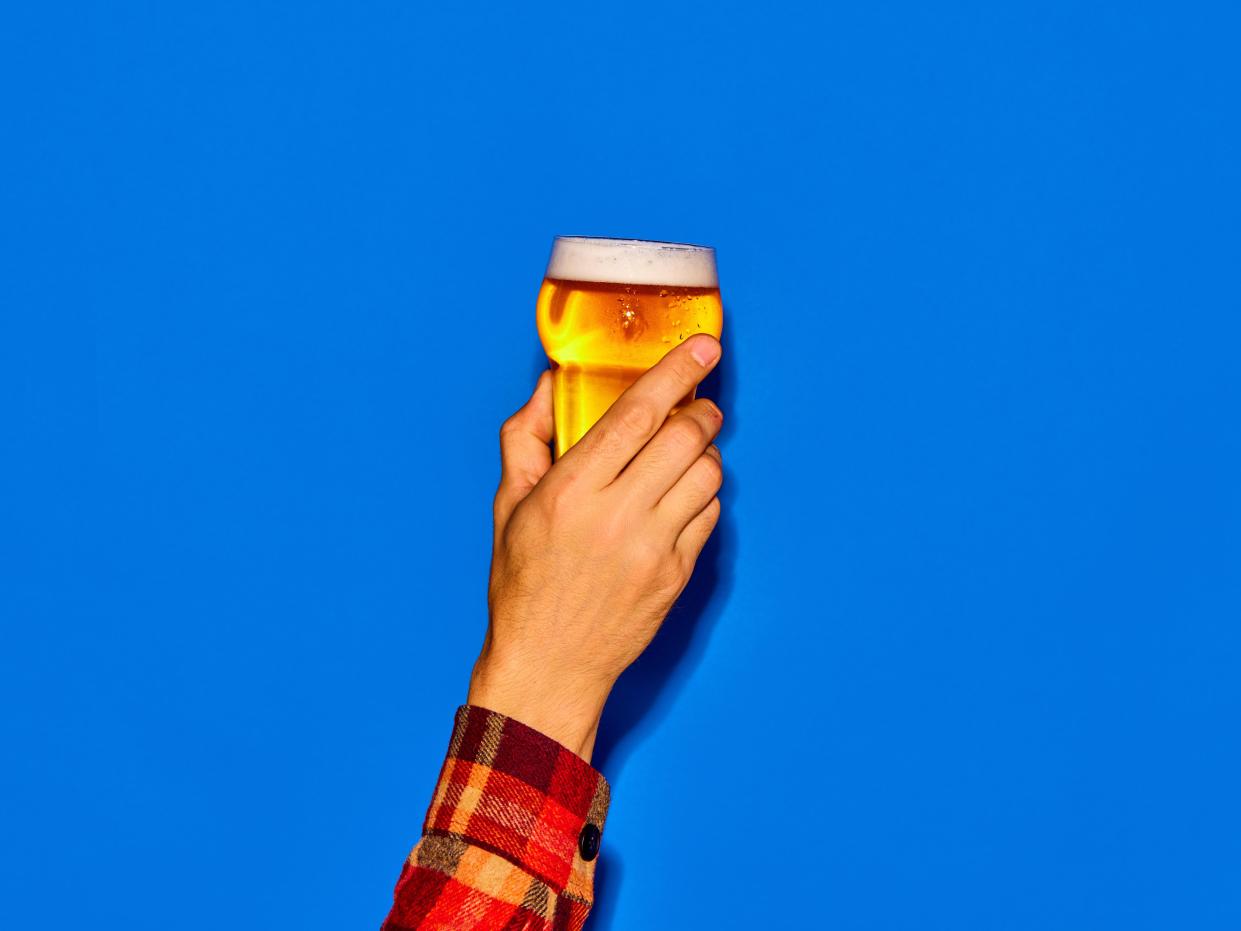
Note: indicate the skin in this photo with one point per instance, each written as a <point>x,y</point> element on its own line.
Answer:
<point>590,553</point>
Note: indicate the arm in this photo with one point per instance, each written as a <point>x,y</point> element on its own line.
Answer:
<point>588,556</point>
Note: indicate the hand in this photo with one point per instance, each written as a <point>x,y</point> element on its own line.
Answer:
<point>590,553</point>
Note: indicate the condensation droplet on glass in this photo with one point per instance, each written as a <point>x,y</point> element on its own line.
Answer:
<point>627,313</point>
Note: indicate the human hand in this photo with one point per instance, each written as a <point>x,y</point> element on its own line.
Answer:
<point>590,553</point>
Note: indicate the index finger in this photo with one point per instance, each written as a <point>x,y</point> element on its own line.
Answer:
<point>638,413</point>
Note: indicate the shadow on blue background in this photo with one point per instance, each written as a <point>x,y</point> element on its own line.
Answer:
<point>643,694</point>
<point>609,883</point>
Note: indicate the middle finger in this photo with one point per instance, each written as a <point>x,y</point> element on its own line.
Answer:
<point>670,453</point>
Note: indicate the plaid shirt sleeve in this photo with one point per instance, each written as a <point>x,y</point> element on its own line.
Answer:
<point>503,841</point>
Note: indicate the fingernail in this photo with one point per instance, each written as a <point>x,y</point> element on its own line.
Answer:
<point>706,351</point>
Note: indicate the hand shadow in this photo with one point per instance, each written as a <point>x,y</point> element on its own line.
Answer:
<point>608,872</point>
<point>644,694</point>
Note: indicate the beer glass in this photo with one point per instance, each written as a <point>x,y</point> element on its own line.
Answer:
<point>609,309</point>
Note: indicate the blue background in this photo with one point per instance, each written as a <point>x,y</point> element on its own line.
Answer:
<point>965,653</point>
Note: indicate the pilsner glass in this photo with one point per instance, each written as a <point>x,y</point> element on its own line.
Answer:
<point>609,309</point>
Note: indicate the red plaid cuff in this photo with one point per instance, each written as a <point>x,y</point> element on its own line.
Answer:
<point>509,789</point>
<point>500,846</point>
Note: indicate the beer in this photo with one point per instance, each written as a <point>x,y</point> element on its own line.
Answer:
<point>609,309</point>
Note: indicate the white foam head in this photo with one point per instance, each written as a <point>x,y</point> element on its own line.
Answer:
<point>632,261</point>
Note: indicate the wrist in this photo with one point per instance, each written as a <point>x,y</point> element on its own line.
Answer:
<point>566,709</point>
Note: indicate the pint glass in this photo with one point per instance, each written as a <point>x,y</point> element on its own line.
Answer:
<point>609,309</point>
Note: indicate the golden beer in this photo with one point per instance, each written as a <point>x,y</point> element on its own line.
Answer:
<point>609,309</point>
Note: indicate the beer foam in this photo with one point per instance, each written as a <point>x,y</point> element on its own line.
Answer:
<point>632,261</point>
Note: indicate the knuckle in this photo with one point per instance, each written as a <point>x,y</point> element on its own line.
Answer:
<point>686,433</point>
<point>612,533</point>
<point>685,369</point>
<point>711,473</point>
<point>561,501</point>
<point>648,558</point>
<point>688,560</point>
<point>709,519</point>
<point>637,417</point>
<point>671,573</point>
<point>556,504</point>
<point>713,512</point>
<point>545,508</point>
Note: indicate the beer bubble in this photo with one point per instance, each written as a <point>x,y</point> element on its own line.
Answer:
<point>629,314</point>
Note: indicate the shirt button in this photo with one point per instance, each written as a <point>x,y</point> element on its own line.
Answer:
<point>588,842</point>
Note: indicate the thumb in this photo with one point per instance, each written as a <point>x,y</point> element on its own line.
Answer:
<point>525,455</point>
